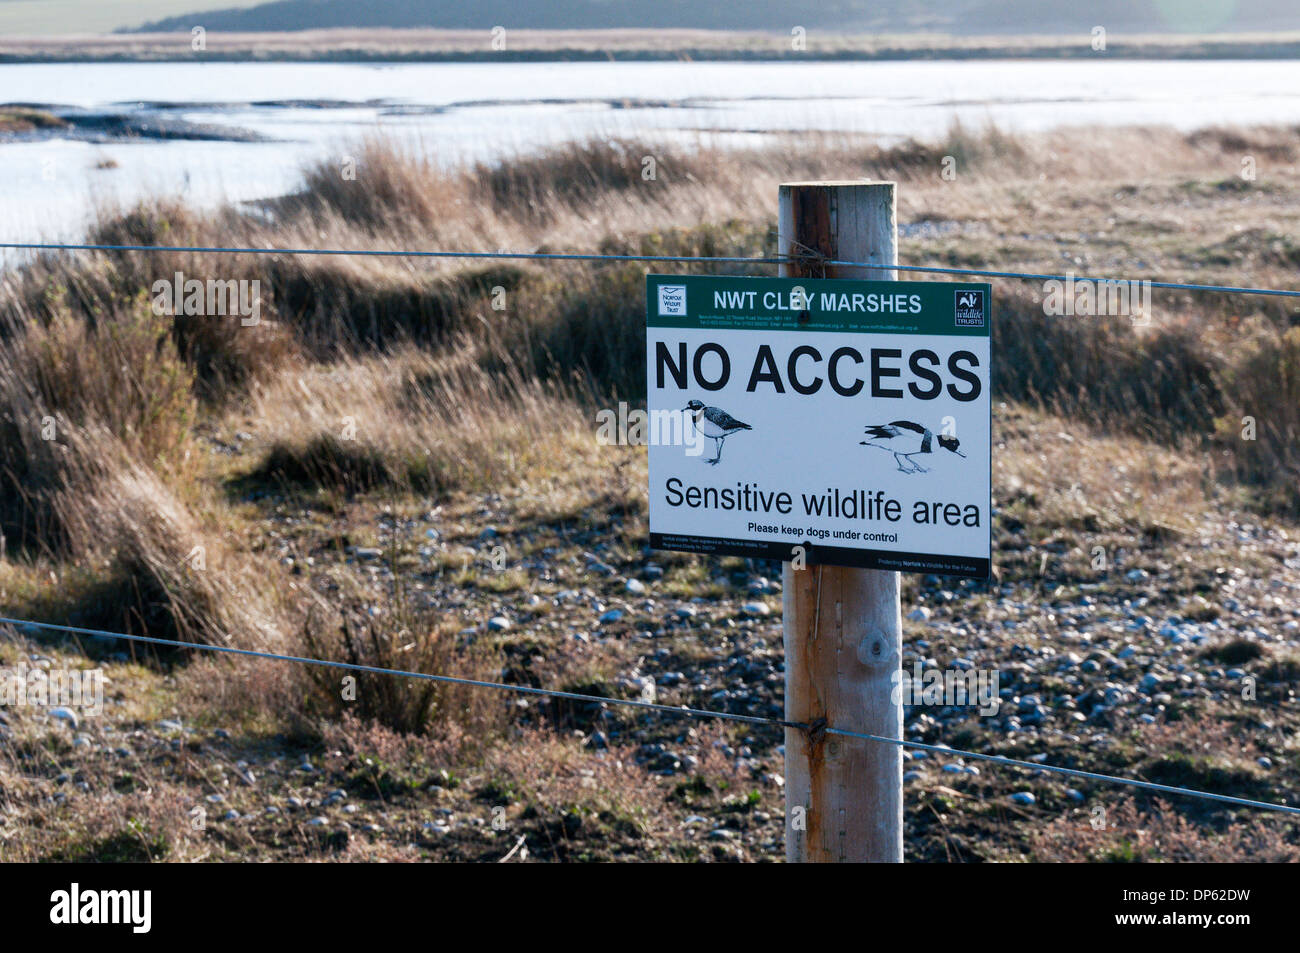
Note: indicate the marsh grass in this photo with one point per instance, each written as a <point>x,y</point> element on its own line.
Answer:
<point>436,378</point>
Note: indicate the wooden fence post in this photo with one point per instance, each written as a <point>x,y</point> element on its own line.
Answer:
<point>843,630</point>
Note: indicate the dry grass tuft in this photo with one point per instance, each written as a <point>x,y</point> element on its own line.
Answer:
<point>170,575</point>
<point>414,421</point>
<point>58,381</point>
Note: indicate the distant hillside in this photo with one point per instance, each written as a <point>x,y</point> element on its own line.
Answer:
<point>961,17</point>
<point>62,17</point>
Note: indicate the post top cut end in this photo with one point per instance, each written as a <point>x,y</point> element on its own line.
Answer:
<point>836,183</point>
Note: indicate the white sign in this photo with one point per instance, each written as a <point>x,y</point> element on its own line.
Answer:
<point>821,421</point>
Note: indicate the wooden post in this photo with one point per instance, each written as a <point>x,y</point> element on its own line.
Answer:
<point>843,630</point>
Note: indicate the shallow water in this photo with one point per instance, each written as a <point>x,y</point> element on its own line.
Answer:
<point>51,187</point>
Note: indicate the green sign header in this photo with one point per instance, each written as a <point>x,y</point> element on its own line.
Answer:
<point>818,304</point>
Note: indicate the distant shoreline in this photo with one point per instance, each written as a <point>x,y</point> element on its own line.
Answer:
<point>523,46</point>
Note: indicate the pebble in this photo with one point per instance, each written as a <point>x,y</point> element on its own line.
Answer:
<point>919,614</point>
<point>498,623</point>
<point>613,615</point>
<point>1023,797</point>
<point>65,715</point>
<point>635,586</point>
<point>755,608</point>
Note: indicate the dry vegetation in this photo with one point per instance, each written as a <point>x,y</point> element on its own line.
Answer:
<point>19,119</point>
<point>333,482</point>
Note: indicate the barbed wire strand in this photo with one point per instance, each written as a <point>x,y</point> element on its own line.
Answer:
<point>674,259</point>
<point>666,709</point>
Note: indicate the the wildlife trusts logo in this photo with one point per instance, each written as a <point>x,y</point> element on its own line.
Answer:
<point>672,301</point>
<point>968,308</point>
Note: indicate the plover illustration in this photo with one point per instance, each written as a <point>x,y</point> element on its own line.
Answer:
<point>716,423</point>
<point>905,440</point>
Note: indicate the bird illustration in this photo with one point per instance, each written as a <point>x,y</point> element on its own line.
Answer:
<point>905,440</point>
<point>716,423</point>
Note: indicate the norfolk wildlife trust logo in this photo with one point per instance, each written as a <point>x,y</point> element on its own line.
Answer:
<point>672,300</point>
<point>968,308</point>
<point>75,906</point>
<point>212,298</point>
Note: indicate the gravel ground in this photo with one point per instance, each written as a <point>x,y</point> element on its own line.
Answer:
<point>1176,663</point>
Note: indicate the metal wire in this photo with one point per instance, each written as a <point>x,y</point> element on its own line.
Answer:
<point>377,670</point>
<point>666,709</point>
<point>1072,772</point>
<point>626,702</point>
<point>676,259</point>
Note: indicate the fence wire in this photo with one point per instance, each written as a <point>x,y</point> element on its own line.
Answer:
<point>682,711</point>
<point>803,260</point>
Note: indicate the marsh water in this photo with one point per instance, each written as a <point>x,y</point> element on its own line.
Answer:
<point>258,124</point>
